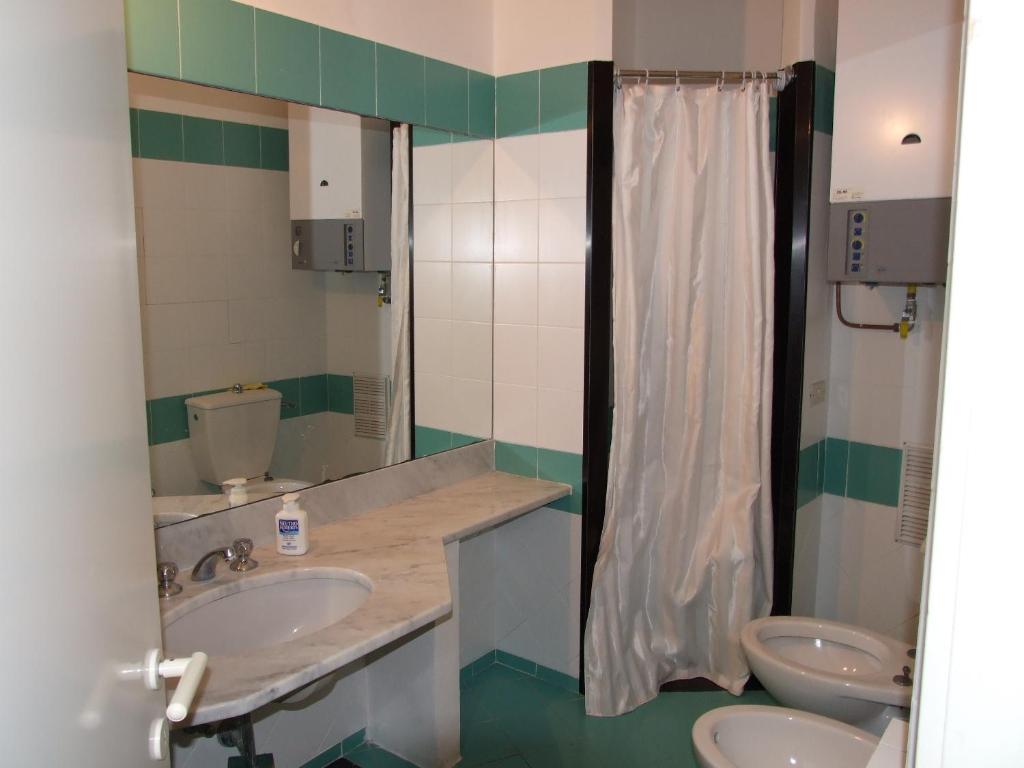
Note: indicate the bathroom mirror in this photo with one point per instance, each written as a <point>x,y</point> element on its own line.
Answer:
<point>240,289</point>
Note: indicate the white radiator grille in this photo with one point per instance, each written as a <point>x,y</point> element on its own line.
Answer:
<point>370,406</point>
<point>915,494</point>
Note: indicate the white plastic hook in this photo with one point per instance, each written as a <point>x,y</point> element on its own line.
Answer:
<point>743,81</point>
<point>721,81</point>
<point>677,81</point>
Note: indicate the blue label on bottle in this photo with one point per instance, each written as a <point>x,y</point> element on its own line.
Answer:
<point>288,527</point>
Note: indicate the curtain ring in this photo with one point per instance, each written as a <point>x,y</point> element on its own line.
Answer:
<point>721,82</point>
<point>743,83</point>
<point>647,77</point>
<point>677,81</point>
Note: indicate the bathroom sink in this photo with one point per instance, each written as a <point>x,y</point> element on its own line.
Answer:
<point>267,610</point>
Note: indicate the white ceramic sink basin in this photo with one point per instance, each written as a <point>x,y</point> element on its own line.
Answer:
<point>266,611</point>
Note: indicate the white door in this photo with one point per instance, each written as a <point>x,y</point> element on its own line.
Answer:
<point>77,567</point>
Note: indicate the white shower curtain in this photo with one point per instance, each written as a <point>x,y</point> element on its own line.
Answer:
<point>685,557</point>
<point>397,444</point>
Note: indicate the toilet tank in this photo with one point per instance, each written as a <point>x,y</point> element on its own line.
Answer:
<point>232,434</point>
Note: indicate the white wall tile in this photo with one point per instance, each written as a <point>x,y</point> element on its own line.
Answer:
<point>471,350</point>
<point>432,227</point>
<point>432,174</point>
<point>563,164</point>
<point>515,414</point>
<point>470,407</point>
<point>560,420</point>
<point>433,346</point>
<point>432,286</point>
<point>472,292</point>
<point>165,326</point>
<point>167,281</point>
<point>560,358</point>
<point>515,354</point>
<point>166,232</point>
<point>563,229</point>
<point>167,372</point>
<point>472,171</point>
<point>517,168</point>
<point>434,400</point>
<point>561,294</point>
<point>515,293</point>
<point>472,232</point>
<point>515,231</point>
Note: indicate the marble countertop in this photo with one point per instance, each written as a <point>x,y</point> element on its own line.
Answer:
<point>400,548</point>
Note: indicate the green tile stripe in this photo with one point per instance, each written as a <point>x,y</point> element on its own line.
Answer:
<point>430,441</point>
<point>847,468</point>
<point>542,101</point>
<point>184,138</point>
<point>345,747</point>
<point>520,664</point>
<point>167,417</point>
<point>557,466</point>
<point>231,45</point>
<point>824,98</point>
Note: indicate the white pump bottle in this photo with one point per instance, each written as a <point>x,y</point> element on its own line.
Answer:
<point>292,524</point>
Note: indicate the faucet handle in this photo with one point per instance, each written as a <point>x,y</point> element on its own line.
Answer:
<point>242,562</point>
<point>166,573</point>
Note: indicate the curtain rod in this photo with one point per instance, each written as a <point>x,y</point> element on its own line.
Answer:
<point>781,76</point>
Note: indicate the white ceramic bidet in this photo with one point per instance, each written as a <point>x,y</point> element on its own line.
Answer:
<point>837,670</point>
<point>775,737</point>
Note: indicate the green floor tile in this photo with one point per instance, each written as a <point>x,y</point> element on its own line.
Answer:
<point>520,720</point>
<point>371,756</point>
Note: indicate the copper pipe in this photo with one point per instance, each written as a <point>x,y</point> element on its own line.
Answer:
<point>894,327</point>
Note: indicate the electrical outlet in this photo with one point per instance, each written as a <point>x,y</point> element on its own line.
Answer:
<point>817,392</point>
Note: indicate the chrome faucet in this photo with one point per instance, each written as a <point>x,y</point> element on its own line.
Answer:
<point>237,555</point>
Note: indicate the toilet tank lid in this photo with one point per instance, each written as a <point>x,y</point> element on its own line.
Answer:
<point>229,399</point>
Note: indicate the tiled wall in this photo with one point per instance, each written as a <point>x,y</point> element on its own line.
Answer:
<point>453,215</point>
<point>519,591</point>
<point>231,45</point>
<point>881,392</point>
<point>221,304</point>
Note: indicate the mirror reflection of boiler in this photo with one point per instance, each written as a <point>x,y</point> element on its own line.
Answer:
<point>264,376</point>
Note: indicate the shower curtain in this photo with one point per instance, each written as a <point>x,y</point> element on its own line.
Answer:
<point>397,444</point>
<point>685,555</point>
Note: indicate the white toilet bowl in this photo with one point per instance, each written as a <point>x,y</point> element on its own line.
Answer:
<point>775,737</point>
<point>836,670</point>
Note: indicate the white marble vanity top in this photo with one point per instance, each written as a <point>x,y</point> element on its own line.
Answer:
<point>399,547</point>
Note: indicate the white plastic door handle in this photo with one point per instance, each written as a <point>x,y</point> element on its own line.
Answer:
<point>190,671</point>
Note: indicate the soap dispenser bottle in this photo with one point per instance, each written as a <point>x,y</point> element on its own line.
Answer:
<point>292,527</point>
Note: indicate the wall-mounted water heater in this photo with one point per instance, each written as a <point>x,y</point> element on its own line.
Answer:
<point>339,184</point>
<point>897,68</point>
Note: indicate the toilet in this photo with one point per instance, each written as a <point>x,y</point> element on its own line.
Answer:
<point>837,670</point>
<point>232,434</point>
<point>746,736</point>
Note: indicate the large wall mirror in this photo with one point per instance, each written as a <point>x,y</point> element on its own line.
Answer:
<point>270,331</point>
